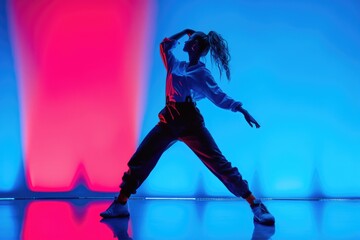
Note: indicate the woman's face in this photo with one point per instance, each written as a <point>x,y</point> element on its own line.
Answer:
<point>191,44</point>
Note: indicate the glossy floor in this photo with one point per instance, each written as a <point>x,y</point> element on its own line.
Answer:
<point>177,219</point>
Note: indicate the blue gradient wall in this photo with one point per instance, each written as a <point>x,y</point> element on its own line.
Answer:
<point>295,66</point>
<point>11,163</point>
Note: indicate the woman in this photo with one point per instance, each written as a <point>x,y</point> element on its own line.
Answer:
<point>187,82</point>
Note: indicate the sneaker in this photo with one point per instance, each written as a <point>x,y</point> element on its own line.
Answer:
<point>261,214</point>
<point>116,209</point>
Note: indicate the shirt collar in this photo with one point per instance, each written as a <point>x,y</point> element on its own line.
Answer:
<point>199,64</point>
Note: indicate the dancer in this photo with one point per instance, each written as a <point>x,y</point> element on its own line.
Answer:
<point>180,119</point>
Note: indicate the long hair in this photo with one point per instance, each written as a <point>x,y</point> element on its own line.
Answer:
<point>219,50</point>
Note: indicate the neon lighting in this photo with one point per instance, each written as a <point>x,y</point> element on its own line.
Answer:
<point>170,198</point>
<point>81,95</point>
<point>82,69</point>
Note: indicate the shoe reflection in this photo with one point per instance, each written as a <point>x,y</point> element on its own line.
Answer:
<point>262,232</point>
<point>119,227</point>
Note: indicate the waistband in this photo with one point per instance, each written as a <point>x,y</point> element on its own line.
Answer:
<point>188,101</point>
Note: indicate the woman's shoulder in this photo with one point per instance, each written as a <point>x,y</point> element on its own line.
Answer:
<point>204,70</point>
<point>169,42</point>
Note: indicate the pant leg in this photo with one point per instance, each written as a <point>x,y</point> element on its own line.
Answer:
<point>203,145</point>
<point>145,158</point>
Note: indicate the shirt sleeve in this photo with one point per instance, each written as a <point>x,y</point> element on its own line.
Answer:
<point>213,92</point>
<point>167,56</point>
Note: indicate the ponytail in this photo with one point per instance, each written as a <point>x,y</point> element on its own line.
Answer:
<point>219,52</point>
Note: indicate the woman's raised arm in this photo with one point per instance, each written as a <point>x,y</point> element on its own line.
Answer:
<point>184,32</point>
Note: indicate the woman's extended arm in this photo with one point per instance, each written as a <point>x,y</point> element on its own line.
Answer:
<point>184,32</point>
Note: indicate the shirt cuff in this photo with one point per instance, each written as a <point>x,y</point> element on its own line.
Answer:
<point>235,106</point>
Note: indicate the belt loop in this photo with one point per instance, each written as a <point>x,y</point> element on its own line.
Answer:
<point>188,99</point>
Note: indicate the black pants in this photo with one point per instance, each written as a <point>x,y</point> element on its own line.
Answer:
<point>181,121</point>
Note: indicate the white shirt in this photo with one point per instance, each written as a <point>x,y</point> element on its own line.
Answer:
<point>195,81</point>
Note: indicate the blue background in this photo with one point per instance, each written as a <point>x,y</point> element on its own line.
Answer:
<point>11,164</point>
<point>296,68</point>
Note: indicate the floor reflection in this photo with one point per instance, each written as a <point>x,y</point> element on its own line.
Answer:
<point>177,219</point>
<point>11,219</point>
<point>119,227</point>
<point>76,219</point>
<point>8,222</point>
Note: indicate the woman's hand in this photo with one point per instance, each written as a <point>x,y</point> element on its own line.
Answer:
<point>189,32</point>
<point>249,119</point>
